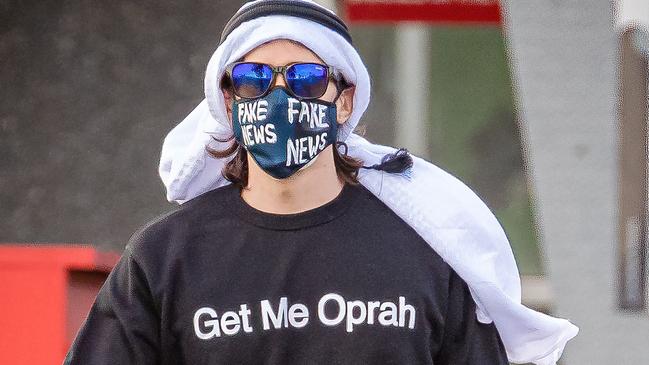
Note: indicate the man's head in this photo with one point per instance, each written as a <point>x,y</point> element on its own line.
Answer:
<point>185,167</point>
<point>279,32</point>
<point>282,52</point>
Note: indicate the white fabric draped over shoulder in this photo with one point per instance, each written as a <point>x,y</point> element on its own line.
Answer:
<point>446,213</point>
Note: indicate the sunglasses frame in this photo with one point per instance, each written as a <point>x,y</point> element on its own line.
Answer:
<point>331,75</point>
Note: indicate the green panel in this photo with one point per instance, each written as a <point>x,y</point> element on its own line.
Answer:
<point>474,130</point>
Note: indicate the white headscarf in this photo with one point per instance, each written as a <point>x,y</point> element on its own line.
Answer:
<point>446,213</point>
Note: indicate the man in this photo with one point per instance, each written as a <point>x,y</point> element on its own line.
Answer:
<point>298,258</point>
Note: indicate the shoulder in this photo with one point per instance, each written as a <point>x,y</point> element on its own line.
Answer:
<point>169,230</point>
<point>384,224</point>
<point>370,211</point>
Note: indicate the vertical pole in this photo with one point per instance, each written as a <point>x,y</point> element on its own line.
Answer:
<point>633,176</point>
<point>329,4</point>
<point>412,87</point>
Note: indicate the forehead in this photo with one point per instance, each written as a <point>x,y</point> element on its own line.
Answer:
<point>281,52</point>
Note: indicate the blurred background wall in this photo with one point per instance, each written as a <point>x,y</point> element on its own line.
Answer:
<point>89,90</point>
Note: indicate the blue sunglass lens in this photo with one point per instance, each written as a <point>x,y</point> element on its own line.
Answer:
<point>308,80</point>
<point>251,80</point>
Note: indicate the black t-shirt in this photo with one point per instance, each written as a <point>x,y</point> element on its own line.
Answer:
<point>218,282</point>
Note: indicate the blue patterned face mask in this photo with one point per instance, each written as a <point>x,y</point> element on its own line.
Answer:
<point>283,134</point>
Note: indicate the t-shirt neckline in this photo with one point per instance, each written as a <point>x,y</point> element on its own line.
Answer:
<point>312,217</point>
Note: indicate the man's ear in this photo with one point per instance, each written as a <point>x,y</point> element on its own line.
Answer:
<point>345,104</point>
<point>228,102</point>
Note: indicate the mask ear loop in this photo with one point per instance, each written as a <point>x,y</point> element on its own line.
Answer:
<point>341,85</point>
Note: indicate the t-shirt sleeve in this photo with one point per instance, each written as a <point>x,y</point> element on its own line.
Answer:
<point>123,325</point>
<point>467,341</point>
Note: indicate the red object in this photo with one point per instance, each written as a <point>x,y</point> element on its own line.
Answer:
<point>46,292</point>
<point>428,11</point>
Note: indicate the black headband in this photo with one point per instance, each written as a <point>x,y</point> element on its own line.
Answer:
<point>294,8</point>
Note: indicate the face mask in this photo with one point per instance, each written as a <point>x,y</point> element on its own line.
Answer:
<point>282,133</point>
